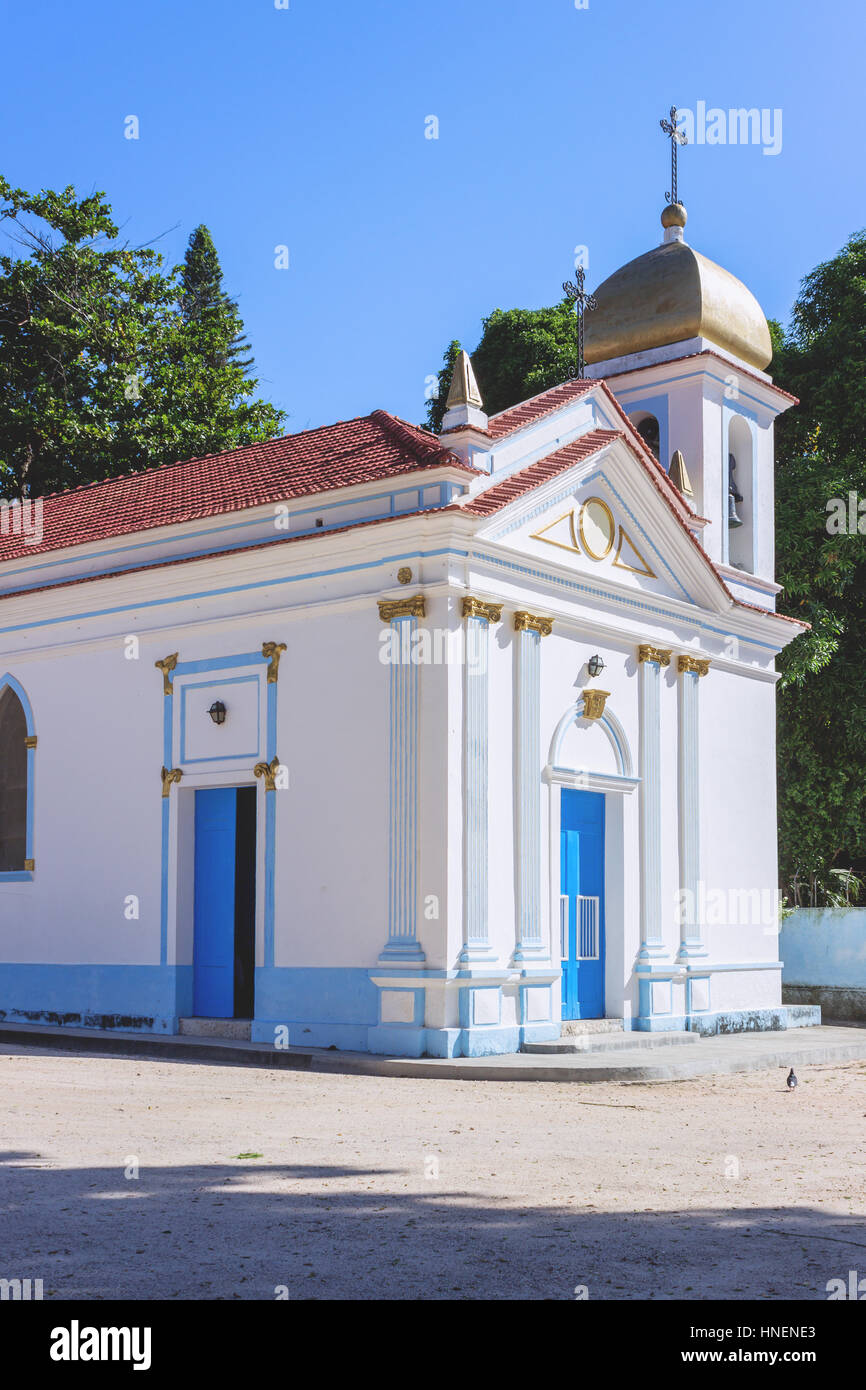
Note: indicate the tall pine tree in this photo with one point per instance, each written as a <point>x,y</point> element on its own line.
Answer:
<point>109,364</point>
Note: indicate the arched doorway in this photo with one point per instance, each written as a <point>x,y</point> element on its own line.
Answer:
<point>589,772</point>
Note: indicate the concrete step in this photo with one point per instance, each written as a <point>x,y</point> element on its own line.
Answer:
<point>613,1042</point>
<point>721,1055</point>
<point>238,1029</point>
<point>579,1027</point>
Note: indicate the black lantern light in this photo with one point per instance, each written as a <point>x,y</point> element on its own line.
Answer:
<point>217,712</point>
<point>595,666</point>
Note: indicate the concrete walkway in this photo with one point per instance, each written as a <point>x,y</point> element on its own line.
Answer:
<point>736,1052</point>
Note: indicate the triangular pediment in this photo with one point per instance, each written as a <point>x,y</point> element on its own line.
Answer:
<point>605,519</point>
<point>589,527</point>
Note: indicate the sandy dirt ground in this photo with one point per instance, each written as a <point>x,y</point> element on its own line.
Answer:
<point>252,1184</point>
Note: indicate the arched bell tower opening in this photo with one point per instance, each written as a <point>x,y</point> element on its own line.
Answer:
<point>647,426</point>
<point>740,506</point>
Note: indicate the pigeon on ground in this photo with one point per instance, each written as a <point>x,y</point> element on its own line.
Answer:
<point>791,1082</point>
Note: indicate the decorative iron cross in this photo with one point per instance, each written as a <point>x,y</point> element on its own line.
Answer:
<point>676,137</point>
<point>581,301</point>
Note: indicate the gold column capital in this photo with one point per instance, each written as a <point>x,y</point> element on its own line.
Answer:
<point>30,741</point>
<point>169,775</point>
<point>699,665</point>
<point>659,655</point>
<point>413,607</point>
<point>272,651</point>
<point>269,772</point>
<point>528,622</point>
<point>593,703</point>
<point>477,608</point>
<point>166,666</point>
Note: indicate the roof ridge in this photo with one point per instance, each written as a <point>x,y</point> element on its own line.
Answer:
<point>569,381</point>
<point>427,448</point>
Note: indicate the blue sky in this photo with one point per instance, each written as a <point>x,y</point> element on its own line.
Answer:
<point>305,127</point>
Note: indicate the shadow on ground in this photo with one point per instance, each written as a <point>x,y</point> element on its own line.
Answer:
<point>243,1229</point>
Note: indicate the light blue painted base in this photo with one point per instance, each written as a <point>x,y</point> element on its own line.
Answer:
<point>321,1006</point>
<point>346,1037</point>
<point>490,1041</point>
<point>756,1020</point>
<point>733,1021</point>
<point>131,998</point>
<point>660,1023</point>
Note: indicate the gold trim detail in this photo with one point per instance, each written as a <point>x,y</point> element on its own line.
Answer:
<point>528,622</point>
<point>166,666</point>
<point>645,652</point>
<point>272,651</point>
<point>593,703</point>
<point>477,608</point>
<point>269,772</point>
<point>574,548</point>
<point>404,575</point>
<point>30,741</point>
<point>413,607</point>
<point>620,564</point>
<point>30,866</point>
<point>699,665</point>
<point>170,775</point>
<point>590,501</point>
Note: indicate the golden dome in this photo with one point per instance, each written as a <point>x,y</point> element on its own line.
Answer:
<point>669,295</point>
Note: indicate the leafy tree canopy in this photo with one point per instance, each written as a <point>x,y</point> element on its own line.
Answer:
<point>109,363</point>
<point>521,352</point>
<point>821,561</point>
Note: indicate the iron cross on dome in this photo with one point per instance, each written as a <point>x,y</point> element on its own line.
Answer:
<point>581,301</point>
<point>676,137</point>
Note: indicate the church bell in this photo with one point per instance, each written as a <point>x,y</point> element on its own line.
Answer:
<point>734,496</point>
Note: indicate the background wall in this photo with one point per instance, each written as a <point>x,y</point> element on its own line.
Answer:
<point>824,952</point>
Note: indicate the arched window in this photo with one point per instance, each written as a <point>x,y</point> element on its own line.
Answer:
<point>647,427</point>
<point>13,780</point>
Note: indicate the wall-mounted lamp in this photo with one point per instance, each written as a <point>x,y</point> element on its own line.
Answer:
<point>595,666</point>
<point>217,712</point>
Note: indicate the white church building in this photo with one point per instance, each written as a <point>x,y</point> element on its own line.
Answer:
<point>416,744</point>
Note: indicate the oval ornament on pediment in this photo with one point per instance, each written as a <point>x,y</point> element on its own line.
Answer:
<point>597,528</point>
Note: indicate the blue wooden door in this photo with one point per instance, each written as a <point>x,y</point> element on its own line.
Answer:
<point>214,930</point>
<point>582,903</point>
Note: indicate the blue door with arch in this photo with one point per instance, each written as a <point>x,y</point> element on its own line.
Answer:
<point>581,903</point>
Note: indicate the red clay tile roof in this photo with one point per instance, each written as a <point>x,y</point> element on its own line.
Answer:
<point>527,412</point>
<point>374,447</point>
<point>500,494</point>
<point>494,498</point>
<point>556,398</point>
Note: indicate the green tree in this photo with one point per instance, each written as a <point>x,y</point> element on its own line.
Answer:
<point>436,404</point>
<point>821,561</point>
<point>205,306</point>
<point>521,352</point>
<point>100,372</point>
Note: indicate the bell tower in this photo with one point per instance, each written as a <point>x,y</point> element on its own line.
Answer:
<point>684,346</point>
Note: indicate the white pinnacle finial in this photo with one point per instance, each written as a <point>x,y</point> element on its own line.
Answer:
<point>464,408</point>
<point>464,387</point>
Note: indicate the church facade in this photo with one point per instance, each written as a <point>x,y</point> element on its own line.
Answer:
<point>416,744</point>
